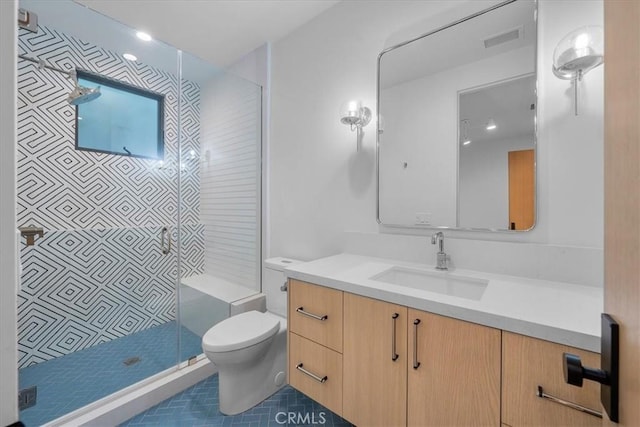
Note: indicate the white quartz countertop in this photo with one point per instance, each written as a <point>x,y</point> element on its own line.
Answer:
<point>554,311</point>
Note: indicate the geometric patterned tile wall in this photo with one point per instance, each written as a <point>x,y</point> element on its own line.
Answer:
<point>98,274</point>
<point>84,287</point>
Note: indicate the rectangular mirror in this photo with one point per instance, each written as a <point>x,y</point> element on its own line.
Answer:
<point>457,127</point>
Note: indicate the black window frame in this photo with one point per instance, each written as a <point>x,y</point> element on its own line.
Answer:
<point>126,87</point>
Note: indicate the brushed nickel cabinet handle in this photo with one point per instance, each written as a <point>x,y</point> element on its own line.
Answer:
<point>321,380</point>
<point>394,354</point>
<point>571,405</point>
<point>416,364</point>
<point>314,316</point>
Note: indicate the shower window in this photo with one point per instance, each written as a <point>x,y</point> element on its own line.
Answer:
<point>124,120</point>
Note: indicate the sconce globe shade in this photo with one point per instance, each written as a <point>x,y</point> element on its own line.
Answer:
<point>578,52</point>
<point>353,113</point>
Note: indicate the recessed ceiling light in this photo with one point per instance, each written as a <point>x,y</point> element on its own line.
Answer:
<point>130,57</point>
<point>467,142</point>
<point>143,36</point>
<point>491,125</point>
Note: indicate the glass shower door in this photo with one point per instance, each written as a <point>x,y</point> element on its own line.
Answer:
<point>97,302</point>
<point>220,195</point>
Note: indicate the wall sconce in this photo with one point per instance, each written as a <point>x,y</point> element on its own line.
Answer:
<point>355,115</point>
<point>577,53</point>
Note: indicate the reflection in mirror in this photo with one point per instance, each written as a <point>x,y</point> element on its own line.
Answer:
<point>473,80</point>
<point>496,161</point>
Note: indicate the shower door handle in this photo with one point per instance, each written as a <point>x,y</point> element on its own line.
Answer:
<point>165,236</point>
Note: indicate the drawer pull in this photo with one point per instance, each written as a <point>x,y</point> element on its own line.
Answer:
<point>571,405</point>
<point>416,364</point>
<point>394,354</point>
<point>321,380</point>
<point>314,316</point>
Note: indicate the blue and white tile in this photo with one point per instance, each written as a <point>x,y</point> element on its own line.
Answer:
<point>69,382</point>
<point>198,406</point>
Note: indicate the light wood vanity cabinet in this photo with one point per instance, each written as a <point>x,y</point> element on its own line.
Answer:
<point>453,372</point>
<point>451,378</point>
<point>320,361</point>
<point>375,362</point>
<point>529,363</point>
<point>315,343</point>
<point>308,304</point>
<point>381,364</point>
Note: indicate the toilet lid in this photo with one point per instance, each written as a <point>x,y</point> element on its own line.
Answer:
<point>240,331</point>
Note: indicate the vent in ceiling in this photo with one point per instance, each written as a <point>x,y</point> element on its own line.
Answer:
<point>507,36</point>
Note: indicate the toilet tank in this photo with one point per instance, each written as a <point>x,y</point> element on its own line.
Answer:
<point>273,280</point>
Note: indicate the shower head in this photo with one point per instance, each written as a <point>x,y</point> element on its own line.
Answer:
<point>81,94</point>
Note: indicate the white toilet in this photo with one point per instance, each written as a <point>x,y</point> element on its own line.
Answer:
<point>249,349</point>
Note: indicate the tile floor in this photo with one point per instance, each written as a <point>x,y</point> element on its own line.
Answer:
<point>77,379</point>
<point>198,406</point>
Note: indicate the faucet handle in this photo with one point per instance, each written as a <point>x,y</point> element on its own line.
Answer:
<point>30,233</point>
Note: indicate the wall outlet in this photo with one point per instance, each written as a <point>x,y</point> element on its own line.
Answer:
<point>423,218</point>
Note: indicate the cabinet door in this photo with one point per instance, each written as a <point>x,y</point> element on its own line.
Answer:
<point>529,363</point>
<point>453,372</point>
<point>374,375</point>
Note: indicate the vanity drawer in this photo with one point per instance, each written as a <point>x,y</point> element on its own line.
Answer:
<point>316,371</point>
<point>528,363</point>
<point>315,312</point>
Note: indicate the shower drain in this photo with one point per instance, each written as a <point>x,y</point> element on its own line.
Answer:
<point>131,361</point>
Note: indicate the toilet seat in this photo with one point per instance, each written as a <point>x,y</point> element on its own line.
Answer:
<point>241,331</point>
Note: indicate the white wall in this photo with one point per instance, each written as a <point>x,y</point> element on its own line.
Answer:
<point>321,187</point>
<point>8,259</point>
<point>571,149</point>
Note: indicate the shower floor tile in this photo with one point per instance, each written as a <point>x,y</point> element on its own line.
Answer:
<point>77,379</point>
<point>198,406</point>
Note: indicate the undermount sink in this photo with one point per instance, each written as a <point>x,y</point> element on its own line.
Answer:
<point>436,281</point>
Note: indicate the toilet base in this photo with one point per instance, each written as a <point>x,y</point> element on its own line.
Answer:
<point>243,387</point>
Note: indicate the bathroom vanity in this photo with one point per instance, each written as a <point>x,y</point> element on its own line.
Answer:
<point>388,343</point>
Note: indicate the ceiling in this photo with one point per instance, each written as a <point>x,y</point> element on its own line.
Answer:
<point>511,104</point>
<point>219,31</point>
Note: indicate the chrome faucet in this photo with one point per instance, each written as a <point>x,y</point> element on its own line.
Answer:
<point>441,260</point>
